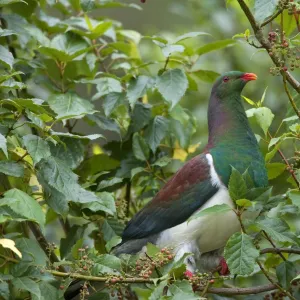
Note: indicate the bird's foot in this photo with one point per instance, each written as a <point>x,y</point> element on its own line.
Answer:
<point>224,267</point>
<point>188,274</point>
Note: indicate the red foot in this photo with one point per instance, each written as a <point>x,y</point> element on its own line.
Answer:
<point>224,267</point>
<point>188,274</point>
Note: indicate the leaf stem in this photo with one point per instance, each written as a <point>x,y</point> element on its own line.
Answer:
<point>274,246</point>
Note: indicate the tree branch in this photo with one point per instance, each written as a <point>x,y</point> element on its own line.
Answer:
<point>44,244</point>
<point>225,291</point>
<point>270,19</point>
<point>266,44</point>
<point>280,250</point>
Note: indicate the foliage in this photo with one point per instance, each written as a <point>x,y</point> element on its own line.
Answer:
<point>67,193</point>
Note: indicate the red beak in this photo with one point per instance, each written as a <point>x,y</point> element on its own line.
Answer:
<point>249,76</point>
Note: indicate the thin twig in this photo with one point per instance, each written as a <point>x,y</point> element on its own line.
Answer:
<point>274,246</point>
<point>270,19</point>
<point>44,244</point>
<point>275,283</point>
<point>225,291</point>
<point>292,101</point>
<point>128,198</point>
<point>280,250</point>
<point>266,44</point>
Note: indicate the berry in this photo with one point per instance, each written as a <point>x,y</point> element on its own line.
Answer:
<point>61,287</point>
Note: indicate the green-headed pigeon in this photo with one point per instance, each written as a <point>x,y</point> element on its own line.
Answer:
<point>201,183</point>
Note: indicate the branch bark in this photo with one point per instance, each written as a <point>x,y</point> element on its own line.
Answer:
<point>266,44</point>
<point>212,290</point>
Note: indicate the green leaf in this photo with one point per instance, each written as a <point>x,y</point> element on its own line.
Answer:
<point>156,131</point>
<point>70,105</point>
<point>71,151</point>
<point>112,101</point>
<point>214,46</point>
<point>48,291</point>
<point>277,229</point>
<point>168,49</point>
<point>6,58</point>
<point>285,272</point>
<point>162,161</point>
<point>275,169</point>
<point>36,147</point>
<point>4,290</point>
<point>152,250</point>
<point>138,87</point>
<point>90,137</point>
<point>183,290</point>
<point>240,254</point>
<point>295,197</point>
<point>264,9</point>
<point>106,264</point>
<point>140,148</point>
<point>105,86</point>
<point>87,5</point>
<point>263,117</point>
<point>24,205</point>
<point>216,209</point>
<point>11,168</point>
<point>75,233</point>
<point>188,36</point>
<point>158,291</point>
<point>26,284</point>
<point>243,203</point>
<point>237,185</point>
<point>172,85</point>
<point>104,202</point>
<point>206,75</point>
<point>65,47</point>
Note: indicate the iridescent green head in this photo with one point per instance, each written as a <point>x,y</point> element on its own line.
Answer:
<point>231,82</point>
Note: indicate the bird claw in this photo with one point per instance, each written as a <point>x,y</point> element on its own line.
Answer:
<point>224,267</point>
<point>188,274</point>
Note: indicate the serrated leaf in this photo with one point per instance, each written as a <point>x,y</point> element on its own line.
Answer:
<point>112,101</point>
<point>11,168</point>
<point>285,272</point>
<point>70,105</point>
<point>65,47</point>
<point>214,46</point>
<point>172,85</point>
<point>104,202</point>
<point>237,186</point>
<point>264,9</point>
<point>71,151</point>
<point>4,290</point>
<point>263,117</point>
<point>6,57</point>
<point>162,162</point>
<point>295,197</point>
<point>275,169</point>
<point>105,86</point>
<point>3,144</point>
<point>140,148</point>
<point>24,205</point>
<point>27,284</point>
<point>36,147</point>
<point>138,88</point>
<point>216,209</point>
<point>156,131</point>
<point>277,229</point>
<point>10,244</point>
<point>240,254</point>
<point>48,291</point>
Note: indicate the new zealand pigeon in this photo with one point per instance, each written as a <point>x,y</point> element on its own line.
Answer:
<point>201,183</point>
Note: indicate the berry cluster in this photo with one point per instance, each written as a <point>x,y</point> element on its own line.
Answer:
<point>281,48</point>
<point>144,266</point>
<point>200,280</point>
<point>117,288</point>
<point>84,263</point>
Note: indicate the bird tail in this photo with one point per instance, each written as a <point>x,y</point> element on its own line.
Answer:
<point>133,246</point>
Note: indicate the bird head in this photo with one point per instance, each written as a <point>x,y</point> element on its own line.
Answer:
<point>231,83</point>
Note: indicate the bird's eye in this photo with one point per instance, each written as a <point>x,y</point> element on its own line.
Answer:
<point>225,79</point>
